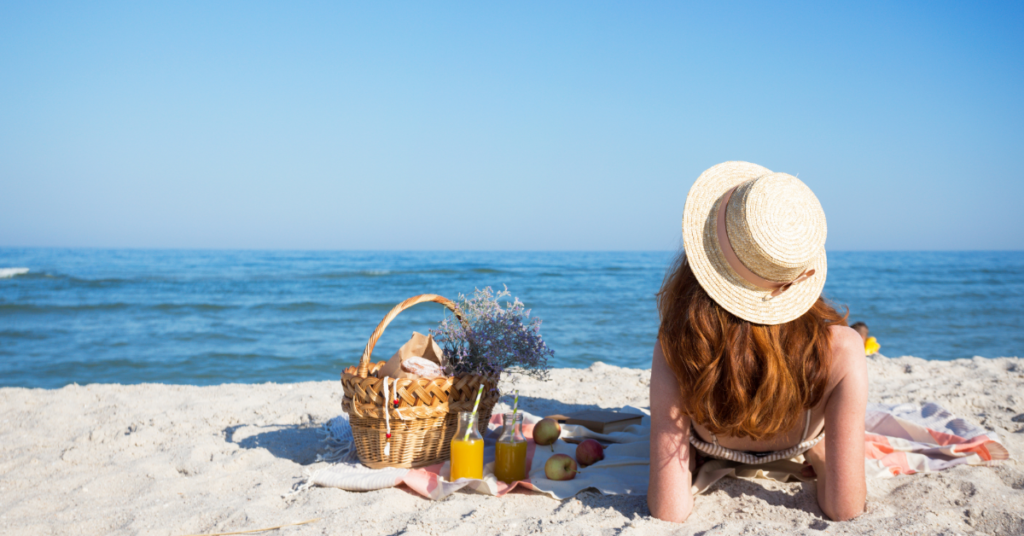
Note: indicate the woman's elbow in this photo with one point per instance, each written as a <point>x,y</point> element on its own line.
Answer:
<point>671,511</point>
<point>844,512</point>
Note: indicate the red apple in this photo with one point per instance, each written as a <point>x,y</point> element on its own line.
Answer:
<point>546,432</point>
<point>560,467</point>
<point>589,452</point>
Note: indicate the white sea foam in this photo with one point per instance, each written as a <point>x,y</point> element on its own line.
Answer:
<point>11,272</point>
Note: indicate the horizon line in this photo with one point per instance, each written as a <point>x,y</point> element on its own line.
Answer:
<point>385,250</point>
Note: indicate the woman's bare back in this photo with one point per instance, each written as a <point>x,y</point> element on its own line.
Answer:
<point>796,434</point>
<point>838,461</point>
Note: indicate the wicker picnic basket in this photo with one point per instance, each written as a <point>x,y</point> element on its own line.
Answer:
<point>425,417</point>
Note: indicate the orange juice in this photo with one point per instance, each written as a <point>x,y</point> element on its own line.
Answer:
<point>468,458</point>
<point>510,461</point>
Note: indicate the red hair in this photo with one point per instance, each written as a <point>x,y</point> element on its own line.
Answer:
<point>738,378</point>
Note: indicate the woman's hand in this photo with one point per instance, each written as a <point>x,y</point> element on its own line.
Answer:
<point>839,459</point>
<point>668,495</point>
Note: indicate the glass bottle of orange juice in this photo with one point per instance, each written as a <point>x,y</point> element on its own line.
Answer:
<point>467,449</point>
<point>510,451</point>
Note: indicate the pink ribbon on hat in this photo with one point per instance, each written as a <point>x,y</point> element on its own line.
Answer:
<point>730,256</point>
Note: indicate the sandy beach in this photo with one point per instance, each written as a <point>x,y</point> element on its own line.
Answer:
<point>175,460</point>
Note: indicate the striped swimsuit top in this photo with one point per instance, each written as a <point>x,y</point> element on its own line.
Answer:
<point>753,458</point>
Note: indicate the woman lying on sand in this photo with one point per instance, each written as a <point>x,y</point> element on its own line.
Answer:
<point>752,365</point>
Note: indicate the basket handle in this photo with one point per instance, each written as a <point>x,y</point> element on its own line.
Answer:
<point>364,361</point>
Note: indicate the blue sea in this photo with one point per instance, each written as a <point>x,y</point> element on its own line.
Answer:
<point>210,317</point>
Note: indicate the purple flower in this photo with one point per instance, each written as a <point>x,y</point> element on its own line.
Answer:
<point>496,339</point>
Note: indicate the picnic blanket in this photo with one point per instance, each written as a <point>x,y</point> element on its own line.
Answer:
<point>900,439</point>
<point>623,471</point>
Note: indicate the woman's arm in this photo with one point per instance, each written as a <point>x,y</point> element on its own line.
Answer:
<point>839,459</point>
<point>668,495</point>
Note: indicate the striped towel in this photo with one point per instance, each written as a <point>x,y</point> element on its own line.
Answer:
<point>900,439</point>
<point>903,439</point>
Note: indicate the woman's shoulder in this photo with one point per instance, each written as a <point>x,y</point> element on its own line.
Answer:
<point>848,359</point>
<point>845,338</point>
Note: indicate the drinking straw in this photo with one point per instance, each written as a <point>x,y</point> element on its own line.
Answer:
<point>515,407</point>
<point>472,418</point>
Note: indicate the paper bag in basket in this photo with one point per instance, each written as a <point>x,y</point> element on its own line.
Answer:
<point>421,347</point>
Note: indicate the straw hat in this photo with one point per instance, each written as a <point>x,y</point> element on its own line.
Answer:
<point>774,227</point>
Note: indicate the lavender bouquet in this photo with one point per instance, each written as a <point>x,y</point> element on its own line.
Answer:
<point>498,338</point>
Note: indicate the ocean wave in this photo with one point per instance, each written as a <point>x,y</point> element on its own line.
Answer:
<point>293,306</point>
<point>351,274</point>
<point>188,307</point>
<point>10,308</point>
<point>368,307</point>
<point>24,334</point>
<point>207,337</point>
<point>107,282</point>
<point>35,308</point>
<point>383,273</point>
<point>6,273</point>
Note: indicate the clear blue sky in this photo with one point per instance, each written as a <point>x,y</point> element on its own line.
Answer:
<point>485,125</point>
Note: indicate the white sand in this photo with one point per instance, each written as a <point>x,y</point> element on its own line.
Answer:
<point>173,460</point>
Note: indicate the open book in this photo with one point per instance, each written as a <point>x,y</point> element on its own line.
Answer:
<point>600,421</point>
